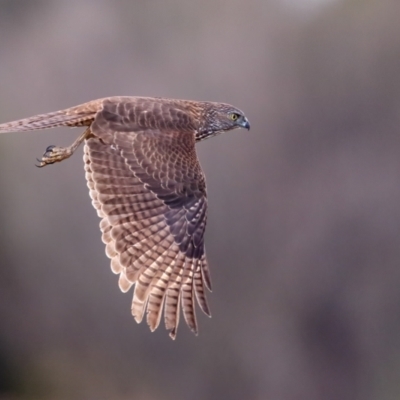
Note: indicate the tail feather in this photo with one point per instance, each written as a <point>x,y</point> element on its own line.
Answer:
<point>76,116</point>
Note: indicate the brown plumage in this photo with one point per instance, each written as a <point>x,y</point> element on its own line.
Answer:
<point>148,188</point>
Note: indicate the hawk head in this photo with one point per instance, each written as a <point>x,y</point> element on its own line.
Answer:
<point>220,117</point>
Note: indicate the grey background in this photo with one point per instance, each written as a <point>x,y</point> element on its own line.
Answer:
<point>303,233</point>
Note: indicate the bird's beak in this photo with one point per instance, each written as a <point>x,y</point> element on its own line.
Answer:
<point>244,123</point>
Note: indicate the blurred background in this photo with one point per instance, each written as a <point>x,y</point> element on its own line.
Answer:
<point>304,218</point>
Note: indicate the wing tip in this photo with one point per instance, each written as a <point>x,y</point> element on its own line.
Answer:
<point>172,334</point>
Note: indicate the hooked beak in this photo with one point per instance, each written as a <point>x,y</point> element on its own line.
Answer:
<point>244,123</point>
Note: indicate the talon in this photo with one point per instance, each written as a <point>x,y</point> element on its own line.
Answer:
<point>49,151</point>
<point>54,154</point>
<point>41,163</point>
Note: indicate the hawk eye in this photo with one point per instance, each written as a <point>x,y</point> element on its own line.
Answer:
<point>234,116</point>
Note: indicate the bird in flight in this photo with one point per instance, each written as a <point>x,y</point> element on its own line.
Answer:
<point>148,188</point>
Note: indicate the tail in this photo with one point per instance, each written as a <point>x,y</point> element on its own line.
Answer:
<point>82,115</point>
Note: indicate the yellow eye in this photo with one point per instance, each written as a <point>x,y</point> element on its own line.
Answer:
<point>234,116</point>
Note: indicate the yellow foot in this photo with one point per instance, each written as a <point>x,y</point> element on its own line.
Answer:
<point>53,154</point>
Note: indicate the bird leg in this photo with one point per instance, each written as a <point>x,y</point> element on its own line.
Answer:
<point>55,154</point>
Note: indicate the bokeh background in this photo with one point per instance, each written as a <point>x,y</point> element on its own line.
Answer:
<point>303,237</point>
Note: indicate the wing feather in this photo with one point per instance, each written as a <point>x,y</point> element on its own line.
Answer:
<point>150,193</point>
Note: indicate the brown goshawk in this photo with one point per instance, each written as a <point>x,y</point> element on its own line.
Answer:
<point>148,188</point>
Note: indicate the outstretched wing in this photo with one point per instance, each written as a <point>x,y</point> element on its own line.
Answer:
<point>149,190</point>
